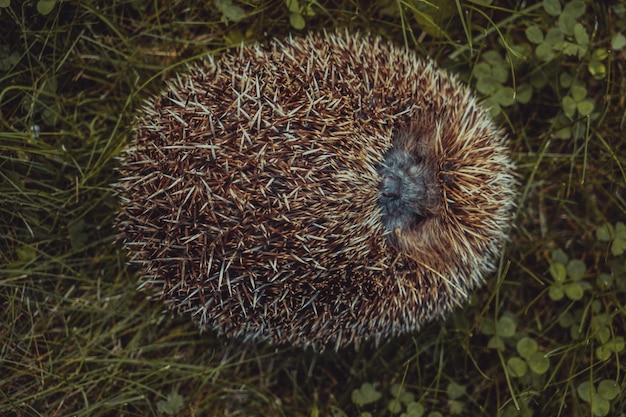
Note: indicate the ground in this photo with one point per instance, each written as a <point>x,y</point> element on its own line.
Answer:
<point>545,337</point>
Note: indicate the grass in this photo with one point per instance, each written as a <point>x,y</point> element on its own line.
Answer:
<point>546,337</point>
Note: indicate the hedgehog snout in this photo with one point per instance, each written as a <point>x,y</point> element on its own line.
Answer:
<point>390,186</point>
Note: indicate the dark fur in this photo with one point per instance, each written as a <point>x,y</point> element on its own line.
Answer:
<point>408,192</point>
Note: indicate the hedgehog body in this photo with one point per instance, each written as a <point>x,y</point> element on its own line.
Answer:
<point>315,191</point>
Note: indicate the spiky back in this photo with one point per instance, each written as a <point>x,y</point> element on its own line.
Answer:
<point>250,194</point>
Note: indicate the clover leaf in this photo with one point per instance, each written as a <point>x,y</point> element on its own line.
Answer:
<point>367,394</point>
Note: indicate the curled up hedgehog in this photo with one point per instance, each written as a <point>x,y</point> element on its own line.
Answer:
<point>317,191</point>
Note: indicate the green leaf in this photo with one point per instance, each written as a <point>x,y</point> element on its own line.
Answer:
<point>397,391</point>
<point>407,398</point>
<point>7,62</point>
<point>414,410</point>
<point>578,93</point>
<point>554,38</point>
<point>481,70</point>
<point>618,268</point>
<point>596,306</point>
<point>172,405</point>
<point>367,394</point>
<point>575,9</point>
<point>573,291</point>
<point>566,23</point>
<point>496,342</point>
<point>564,133</point>
<point>488,327</point>
<point>552,7</point>
<point>234,37</point>
<point>603,335</point>
<point>44,7</point>
<point>539,363</point>
<point>493,106</point>
<point>566,80</point>
<point>545,52</point>
<point>600,321</point>
<point>608,389</point>
<point>534,34</point>
<point>605,232</point>
<point>604,281</point>
<point>569,106</point>
<point>296,20</point>
<point>573,49</point>
<point>600,407</point>
<point>576,269</point>
<point>234,13</point>
<point>585,107</point>
<point>486,86</point>
<point>597,69</point>
<point>524,93</point>
<point>505,96</point>
<point>566,320</point>
<point>581,35</point>
<point>231,12</point>
<point>293,6</point>
<point>578,129</point>
<point>500,72</point>
<point>430,16</point>
<point>616,345</point>
<point>555,292</point>
<point>518,55</point>
<point>455,391</point>
<point>618,247</point>
<point>79,236</point>
<point>26,253</point>
<point>493,58</point>
<point>456,407</point>
<point>599,54</point>
<point>596,65</point>
<point>526,346</point>
<point>603,353</point>
<point>506,327</point>
<point>558,255</point>
<point>5,3</point>
<point>394,406</point>
<point>558,272</point>
<point>618,42</point>
<point>585,391</point>
<point>517,367</point>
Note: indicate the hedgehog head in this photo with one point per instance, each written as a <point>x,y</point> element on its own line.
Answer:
<point>408,192</point>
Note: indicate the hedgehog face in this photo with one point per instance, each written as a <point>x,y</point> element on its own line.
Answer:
<point>408,191</point>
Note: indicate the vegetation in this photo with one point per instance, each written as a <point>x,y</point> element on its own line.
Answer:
<point>545,338</point>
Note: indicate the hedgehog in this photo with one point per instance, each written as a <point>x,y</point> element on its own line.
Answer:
<point>317,191</point>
